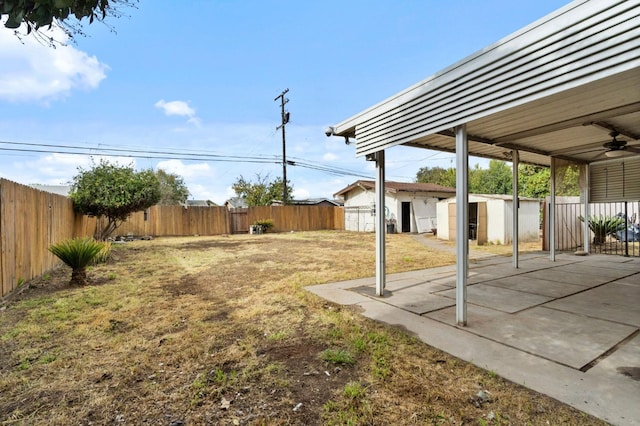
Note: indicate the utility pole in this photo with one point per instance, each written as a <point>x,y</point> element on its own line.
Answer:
<point>285,120</point>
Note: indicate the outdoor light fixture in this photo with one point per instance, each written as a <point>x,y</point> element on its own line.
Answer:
<point>615,153</point>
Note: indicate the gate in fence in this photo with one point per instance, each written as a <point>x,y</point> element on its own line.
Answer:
<point>239,220</point>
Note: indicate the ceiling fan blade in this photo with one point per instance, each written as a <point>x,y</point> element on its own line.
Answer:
<point>635,149</point>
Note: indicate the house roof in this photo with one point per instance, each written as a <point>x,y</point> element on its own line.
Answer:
<point>236,203</point>
<point>394,187</point>
<point>315,201</point>
<point>54,189</point>
<point>200,203</point>
<point>556,88</point>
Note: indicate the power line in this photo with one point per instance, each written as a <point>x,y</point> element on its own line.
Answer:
<point>172,155</point>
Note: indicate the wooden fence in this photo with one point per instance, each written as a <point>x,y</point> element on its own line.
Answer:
<point>32,220</point>
<point>173,221</point>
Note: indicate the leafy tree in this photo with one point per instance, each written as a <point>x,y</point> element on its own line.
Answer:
<point>437,175</point>
<point>494,180</point>
<point>534,181</point>
<point>497,179</point>
<point>568,180</point>
<point>114,192</point>
<point>37,14</point>
<point>173,190</point>
<point>262,192</point>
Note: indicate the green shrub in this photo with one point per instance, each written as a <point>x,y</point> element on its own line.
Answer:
<point>266,224</point>
<point>104,254</point>
<point>77,253</point>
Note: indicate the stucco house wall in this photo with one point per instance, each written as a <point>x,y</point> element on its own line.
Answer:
<point>417,200</point>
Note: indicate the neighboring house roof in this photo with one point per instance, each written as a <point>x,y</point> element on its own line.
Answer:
<point>54,189</point>
<point>315,202</point>
<point>236,203</point>
<point>394,187</point>
<point>200,203</point>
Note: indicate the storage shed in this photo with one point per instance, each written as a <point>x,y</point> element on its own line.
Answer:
<point>491,218</point>
<point>409,207</point>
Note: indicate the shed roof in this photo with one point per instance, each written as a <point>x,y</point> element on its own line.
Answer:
<point>557,88</point>
<point>395,187</point>
<point>508,198</point>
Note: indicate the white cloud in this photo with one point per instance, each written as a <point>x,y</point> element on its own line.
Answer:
<point>181,109</point>
<point>34,71</point>
<point>329,156</point>
<point>185,170</point>
<point>57,169</point>
<point>300,194</point>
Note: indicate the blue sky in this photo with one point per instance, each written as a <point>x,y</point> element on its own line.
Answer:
<point>199,77</point>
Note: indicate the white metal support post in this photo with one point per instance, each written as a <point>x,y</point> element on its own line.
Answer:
<point>515,157</point>
<point>552,212</point>
<point>462,223</point>
<point>585,224</point>
<point>380,225</point>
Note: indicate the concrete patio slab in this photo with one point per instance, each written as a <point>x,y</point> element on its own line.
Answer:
<point>610,272</point>
<point>498,298</point>
<point>563,276</point>
<point>553,335</point>
<point>617,302</point>
<point>418,300</point>
<point>632,280</point>
<point>536,286</point>
<point>629,265</point>
<point>623,362</point>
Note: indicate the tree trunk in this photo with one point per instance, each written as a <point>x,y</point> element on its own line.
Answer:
<point>79,277</point>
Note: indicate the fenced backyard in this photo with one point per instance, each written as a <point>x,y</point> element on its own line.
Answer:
<point>31,220</point>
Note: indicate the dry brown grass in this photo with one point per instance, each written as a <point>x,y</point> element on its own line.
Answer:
<point>219,330</point>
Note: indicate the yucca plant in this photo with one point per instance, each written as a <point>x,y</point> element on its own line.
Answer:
<point>77,253</point>
<point>601,226</point>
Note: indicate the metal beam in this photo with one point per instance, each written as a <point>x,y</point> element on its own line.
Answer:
<point>381,230</point>
<point>515,158</point>
<point>462,223</point>
<point>552,213</point>
<point>611,128</point>
<point>585,224</point>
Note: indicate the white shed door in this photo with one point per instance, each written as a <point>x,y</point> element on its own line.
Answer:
<point>425,214</point>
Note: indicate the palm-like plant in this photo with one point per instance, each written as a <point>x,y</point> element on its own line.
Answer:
<point>601,226</point>
<point>77,253</point>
